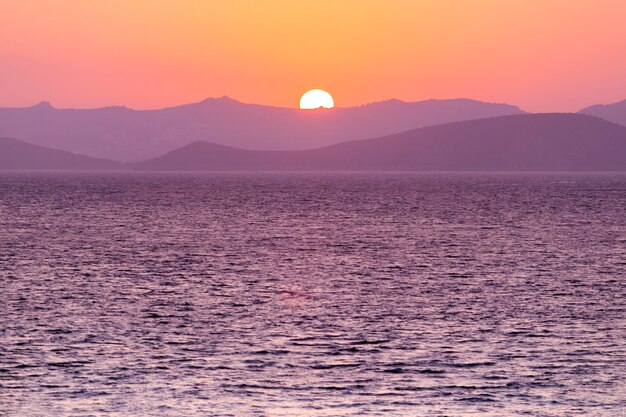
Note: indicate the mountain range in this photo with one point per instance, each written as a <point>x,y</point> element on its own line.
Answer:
<point>124,134</point>
<point>527,142</point>
<point>531,142</point>
<point>19,155</point>
<point>223,134</point>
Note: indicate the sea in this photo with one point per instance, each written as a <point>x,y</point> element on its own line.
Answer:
<point>312,294</point>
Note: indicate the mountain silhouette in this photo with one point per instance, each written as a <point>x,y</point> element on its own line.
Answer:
<point>124,134</point>
<point>531,142</point>
<point>615,113</point>
<point>18,155</point>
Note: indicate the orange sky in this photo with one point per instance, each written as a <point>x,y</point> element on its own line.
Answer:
<point>543,55</point>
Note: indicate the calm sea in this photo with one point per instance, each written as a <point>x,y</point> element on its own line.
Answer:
<point>312,294</point>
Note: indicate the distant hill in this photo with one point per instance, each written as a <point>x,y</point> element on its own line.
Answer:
<point>615,113</point>
<point>124,134</point>
<point>18,155</point>
<point>533,142</point>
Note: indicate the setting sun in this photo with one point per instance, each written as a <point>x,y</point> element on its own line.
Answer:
<point>314,99</point>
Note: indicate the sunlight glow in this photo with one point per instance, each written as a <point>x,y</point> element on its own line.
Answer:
<point>314,99</point>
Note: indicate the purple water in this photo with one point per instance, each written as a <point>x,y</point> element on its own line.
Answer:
<point>312,295</point>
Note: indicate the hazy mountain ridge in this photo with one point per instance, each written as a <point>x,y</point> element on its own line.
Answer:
<point>124,134</point>
<point>19,155</point>
<point>615,112</point>
<point>533,142</point>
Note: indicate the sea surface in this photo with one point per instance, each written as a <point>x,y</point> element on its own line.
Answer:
<point>328,294</point>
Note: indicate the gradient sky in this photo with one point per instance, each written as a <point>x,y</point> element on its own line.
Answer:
<point>543,55</point>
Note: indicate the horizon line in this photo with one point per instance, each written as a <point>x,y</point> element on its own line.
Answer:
<point>47,103</point>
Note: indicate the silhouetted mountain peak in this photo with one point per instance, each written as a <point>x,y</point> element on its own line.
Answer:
<point>615,112</point>
<point>389,103</point>
<point>445,104</point>
<point>219,100</point>
<point>43,105</point>
<point>619,105</point>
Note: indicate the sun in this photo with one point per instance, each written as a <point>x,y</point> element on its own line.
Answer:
<point>314,99</point>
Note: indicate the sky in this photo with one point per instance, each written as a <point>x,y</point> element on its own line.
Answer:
<point>542,55</point>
